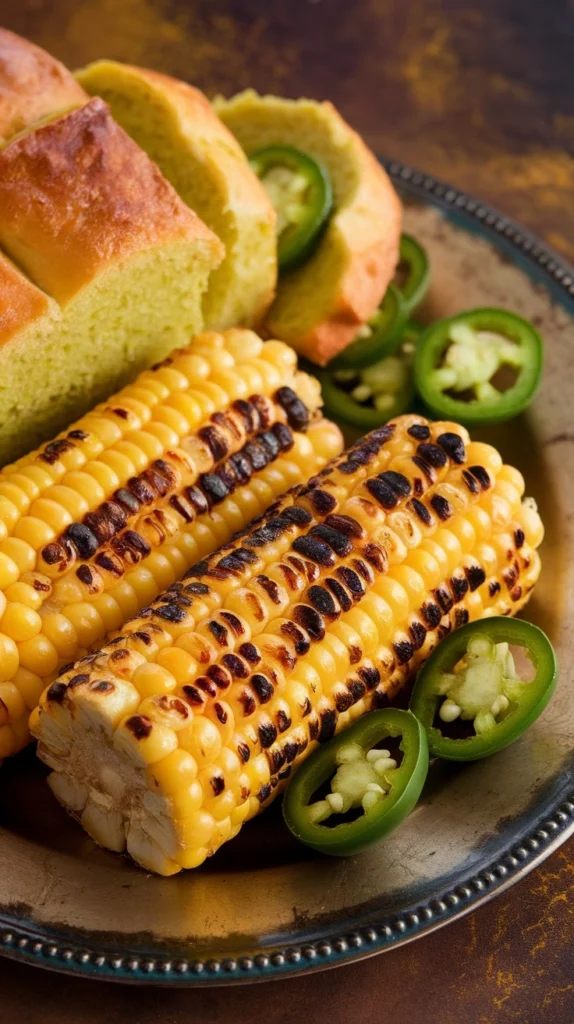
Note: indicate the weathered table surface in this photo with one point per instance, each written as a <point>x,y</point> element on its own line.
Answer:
<point>481,94</point>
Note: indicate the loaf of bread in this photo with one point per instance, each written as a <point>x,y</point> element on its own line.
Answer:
<point>90,220</point>
<point>33,85</point>
<point>320,305</point>
<point>178,128</point>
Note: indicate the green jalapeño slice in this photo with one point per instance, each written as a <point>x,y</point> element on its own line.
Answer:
<point>369,777</point>
<point>299,189</point>
<point>412,276</point>
<point>479,367</point>
<point>379,337</point>
<point>469,696</point>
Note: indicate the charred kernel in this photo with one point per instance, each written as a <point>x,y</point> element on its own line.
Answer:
<point>213,487</point>
<point>482,475</point>
<point>475,575</point>
<point>216,441</point>
<point>101,686</point>
<point>78,680</point>
<point>313,727</point>
<point>243,752</point>
<point>268,533</point>
<point>421,511</point>
<point>519,537</point>
<point>283,436</point>
<point>248,703</point>
<point>40,586</point>
<point>83,539</point>
<point>268,439</point>
<point>219,632</point>
<point>248,413</point>
<point>127,500</point>
<point>238,560</point>
<point>54,450</point>
<point>142,490</point>
<point>242,467</point>
<point>57,692</point>
<point>263,409</point>
<point>284,773</point>
<point>197,499</point>
<point>370,676</point>
<point>264,793</point>
<point>220,677</point>
<point>343,701</point>
<point>234,623</point>
<point>383,493</point>
<point>364,570</point>
<point>144,637</point>
<point>357,690</point>
<point>111,563</point>
<point>276,760</point>
<point>340,593</point>
<point>263,688</point>
<point>442,507</point>
<point>297,515</point>
<point>78,435</point>
<point>425,468</point>
<point>380,700</point>
<point>131,546</point>
<point>459,587</point>
<point>121,654</point>
<point>404,651</point>
<point>516,593</point>
<point>105,521</point>
<point>299,639</point>
<point>322,600</point>
<point>290,751</point>
<point>198,589</point>
<point>295,410</point>
<point>376,556</point>
<point>284,657</point>
<point>322,501</point>
<point>419,432</point>
<point>453,445</point>
<point>399,483</point>
<point>170,612</point>
<point>433,454</point>
<point>283,721</point>
<point>470,482</point>
<point>182,508</point>
<point>315,549</point>
<point>217,784</point>
<point>327,727</point>
<point>206,685</point>
<point>355,654</point>
<point>235,665</point>
<point>85,575</point>
<point>461,617</point>
<point>418,634</point>
<point>257,455</point>
<point>161,476</point>
<point>352,581</point>
<point>270,588</point>
<point>140,726</point>
<point>267,734</point>
<point>493,587</point>
<point>345,524</point>
<point>118,411</point>
<point>310,620</point>
<point>510,576</point>
<point>444,599</point>
<point>432,614</point>
<point>250,653</point>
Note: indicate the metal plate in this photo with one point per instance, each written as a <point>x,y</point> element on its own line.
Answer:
<point>264,906</point>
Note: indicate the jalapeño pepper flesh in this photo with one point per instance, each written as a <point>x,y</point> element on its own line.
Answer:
<point>300,191</point>
<point>382,784</point>
<point>464,356</point>
<point>379,337</point>
<point>469,696</point>
<point>413,273</point>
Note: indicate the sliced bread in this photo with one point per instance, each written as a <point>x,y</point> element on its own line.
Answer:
<point>33,85</point>
<point>177,127</point>
<point>320,305</point>
<point>92,223</point>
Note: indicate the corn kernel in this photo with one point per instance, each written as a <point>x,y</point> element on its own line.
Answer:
<point>202,739</point>
<point>9,657</point>
<point>152,679</point>
<point>39,655</point>
<point>34,532</point>
<point>30,686</point>
<point>174,772</point>
<point>143,740</point>
<point>9,571</point>
<point>20,621</point>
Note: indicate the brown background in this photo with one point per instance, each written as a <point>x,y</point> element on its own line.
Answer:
<point>480,92</point>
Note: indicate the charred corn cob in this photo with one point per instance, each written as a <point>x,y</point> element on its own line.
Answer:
<point>191,721</point>
<point>94,525</point>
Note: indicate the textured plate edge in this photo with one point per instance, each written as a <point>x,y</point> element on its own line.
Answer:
<point>27,944</point>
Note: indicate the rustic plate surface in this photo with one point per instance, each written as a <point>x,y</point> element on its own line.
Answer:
<point>265,906</point>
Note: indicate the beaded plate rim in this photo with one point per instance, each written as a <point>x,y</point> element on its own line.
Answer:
<point>31,945</point>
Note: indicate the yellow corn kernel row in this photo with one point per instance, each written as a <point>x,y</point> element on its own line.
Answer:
<point>320,612</point>
<point>94,525</point>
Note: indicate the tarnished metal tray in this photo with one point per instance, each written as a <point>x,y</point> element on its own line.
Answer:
<point>264,906</point>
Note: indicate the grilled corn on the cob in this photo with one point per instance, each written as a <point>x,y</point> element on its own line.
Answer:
<point>94,525</point>
<point>191,721</point>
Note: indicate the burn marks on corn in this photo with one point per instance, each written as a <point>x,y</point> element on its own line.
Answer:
<point>388,489</point>
<point>295,410</point>
<point>365,450</point>
<point>453,445</point>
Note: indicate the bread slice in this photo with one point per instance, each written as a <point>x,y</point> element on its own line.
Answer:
<point>177,127</point>
<point>33,85</point>
<point>92,223</point>
<point>320,305</point>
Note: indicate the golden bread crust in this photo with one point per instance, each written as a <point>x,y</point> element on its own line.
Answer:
<point>21,303</point>
<point>78,196</point>
<point>33,85</point>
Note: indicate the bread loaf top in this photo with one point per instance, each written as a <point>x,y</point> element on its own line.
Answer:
<point>33,85</point>
<point>78,195</point>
